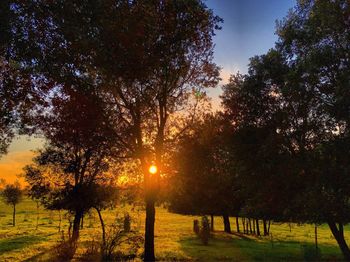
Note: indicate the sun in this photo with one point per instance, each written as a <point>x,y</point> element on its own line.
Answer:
<point>153,169</point>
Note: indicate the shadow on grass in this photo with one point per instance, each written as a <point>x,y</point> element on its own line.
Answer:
<point>234,247</point>
<point>10,244</point>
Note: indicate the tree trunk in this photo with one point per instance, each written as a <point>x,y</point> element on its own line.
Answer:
<point>76,225</point>
<point>250,226</point>
<point>253,226</point>
<point>257,227</point>
<point>149,230</point>
<point>60,220</point>
<point>265,227</point>
<point>338,234</point>
<point>37,215</point>
<point>237,224</point>
<point>82,222</point>
<point>103,227</point>
<point>14,216</point>
<point>268,227</point>
<point>212,222</point>
<point>227,226</point>
<point>244,226</point>
<point>316,242</point>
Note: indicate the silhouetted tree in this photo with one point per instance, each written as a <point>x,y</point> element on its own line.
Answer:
<point>314,38</point>
<point>76,160</point>
<point>290,116</point>
<point>147,57</point>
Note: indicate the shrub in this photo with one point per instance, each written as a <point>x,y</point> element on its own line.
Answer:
<point>196,226</point>
<point>115,237</point>
<point>204,233</point>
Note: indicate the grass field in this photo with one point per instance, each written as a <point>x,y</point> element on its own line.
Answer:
<point>174,239</point>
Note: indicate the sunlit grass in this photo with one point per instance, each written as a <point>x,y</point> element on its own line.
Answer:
<point>174,239</point>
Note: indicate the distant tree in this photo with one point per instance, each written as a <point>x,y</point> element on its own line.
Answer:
<point>12,195</point>
<point>38,194</point>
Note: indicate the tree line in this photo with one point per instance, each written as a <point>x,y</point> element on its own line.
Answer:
<point>279,150</point>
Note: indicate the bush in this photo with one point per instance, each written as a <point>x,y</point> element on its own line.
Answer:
<point>204,233</point>
<point>115,237</point>
<point>196,226</point>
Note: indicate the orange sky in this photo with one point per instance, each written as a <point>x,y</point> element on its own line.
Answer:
<point>20,154</point>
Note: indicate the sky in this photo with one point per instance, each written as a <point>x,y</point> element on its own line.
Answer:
<point>248,30</point>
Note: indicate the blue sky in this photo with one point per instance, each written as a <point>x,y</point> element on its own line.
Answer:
<point>248,30</point>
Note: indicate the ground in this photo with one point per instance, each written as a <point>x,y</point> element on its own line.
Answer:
<point>174,239</point>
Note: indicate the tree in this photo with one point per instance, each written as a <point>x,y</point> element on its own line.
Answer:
<point>17,94</point>
<point>77,158</point>
<point>291,107</point>
<point>257,111</point>
<point>315,39</point>
<point>146,57</point>
<point>12,195</point>
<point>204,177</point>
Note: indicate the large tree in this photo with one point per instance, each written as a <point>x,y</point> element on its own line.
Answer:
<point>146,57</point>
<point>79,152</point>
<point>260,151</point>
<point>295,96</point>
<point>315,38</point>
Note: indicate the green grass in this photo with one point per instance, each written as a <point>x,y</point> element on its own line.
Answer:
<point>174,239</point>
